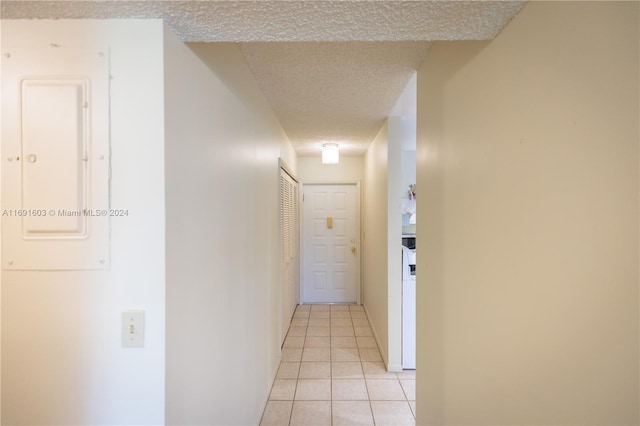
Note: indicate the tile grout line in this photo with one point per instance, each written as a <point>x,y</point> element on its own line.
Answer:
<point>304,341</point>
<point>306,329</point>
<point>330,372</point>
<point>331,361</point>
<point>365,378</point>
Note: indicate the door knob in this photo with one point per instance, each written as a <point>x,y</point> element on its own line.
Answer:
<point>353,249</point>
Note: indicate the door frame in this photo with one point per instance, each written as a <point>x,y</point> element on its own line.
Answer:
<point>359,298</point>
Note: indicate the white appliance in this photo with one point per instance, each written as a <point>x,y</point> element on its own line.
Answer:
<point>408,308</point>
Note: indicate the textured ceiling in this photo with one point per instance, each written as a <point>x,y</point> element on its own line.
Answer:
<point>327,91</point>
<point>292,20</point>
<point>331,70</point>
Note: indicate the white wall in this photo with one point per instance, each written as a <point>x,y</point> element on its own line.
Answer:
<point>394,242</point>
<point>408,172</point>
<point>223,267</point>
<point>349,169</point>
<point>382,213</point>
<point>528,214</point>
<point>61,357</point>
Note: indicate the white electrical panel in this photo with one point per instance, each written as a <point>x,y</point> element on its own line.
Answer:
<point>55,154</point>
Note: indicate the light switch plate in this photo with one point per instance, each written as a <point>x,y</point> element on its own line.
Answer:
<point>133,329</point>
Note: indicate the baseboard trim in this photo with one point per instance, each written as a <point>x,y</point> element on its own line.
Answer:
<point>385,360</point>
<point>396,368</point>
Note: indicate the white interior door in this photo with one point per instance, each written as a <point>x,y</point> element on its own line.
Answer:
<point>330,244</point>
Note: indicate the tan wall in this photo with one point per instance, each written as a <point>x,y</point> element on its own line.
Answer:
<point>62,362</point>
<point>528,221</point>
<point>349,169</point>
<point>374,244</point>
<point>223,259</point>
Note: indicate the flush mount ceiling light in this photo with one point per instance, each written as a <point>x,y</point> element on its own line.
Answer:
<point>330,153</point>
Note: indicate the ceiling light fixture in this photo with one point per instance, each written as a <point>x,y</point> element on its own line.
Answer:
<point>330,153</point>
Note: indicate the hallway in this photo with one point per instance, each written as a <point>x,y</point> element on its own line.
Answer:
<point>332,374</point>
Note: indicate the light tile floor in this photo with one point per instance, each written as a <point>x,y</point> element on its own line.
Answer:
<point>332,374</point>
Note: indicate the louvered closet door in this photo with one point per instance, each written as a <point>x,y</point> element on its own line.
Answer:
<point>288,248</point>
